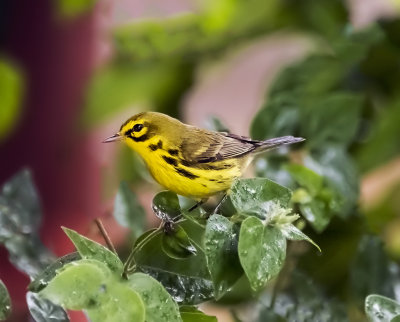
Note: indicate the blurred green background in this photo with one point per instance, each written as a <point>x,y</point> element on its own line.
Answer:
<point>74,70</point>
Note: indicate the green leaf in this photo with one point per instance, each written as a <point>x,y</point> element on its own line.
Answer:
<point>187,280</point>
<point>305,177</point>
<point>11,92</point>
<point>220,245</point>
<point>316,213</point>
<point>291,232</point>
<point>78,285</point>
<point>380,308</point>
<point>5,302</point>
<point>372,271</point>
<point>331,119</point>
<point>256,196</point>
<point>43,310</point>
<point>396,319</point>
<point>355,45</point>
<point>89,284</point>
<point>184,288</point>
<point>334,164</point>
<point>50,272</point>
<point>28,254</point>
<point>280,116</point>
<point>20,216</point>
<point>192,314</point>
<point>303,300</point>
<point>272,167</point>
<point>89,249</point>
<point>314,76</point>
<point>381,144</point>
<point>20,195</point>
<point>158,303</point>
<point>127,210</point>
<point>119,303</point>
<point>166,205</point>
<point>262,251</point>
<point>176,243</point>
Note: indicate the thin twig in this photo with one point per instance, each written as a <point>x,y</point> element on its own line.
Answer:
<point>105,235</point>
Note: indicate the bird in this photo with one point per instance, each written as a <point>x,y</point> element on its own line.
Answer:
<point>190,161</point>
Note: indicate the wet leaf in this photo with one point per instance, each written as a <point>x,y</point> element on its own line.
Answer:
<point>256,196</point>
<point>192,314</point>
<point>221,249</point>
<point>291,232</point>
<point>317,214</point>
<point>20,198</point>
<point>90,285</point>
<point>184,288</point>
<point>20,215</point>
<point>127,210</point>
<point>262,251</point>
<point>89,249</point>
<point>78,285</point>
<point>380,308</point>
<point>5,302</point>
<point>272,167</point>
<point>176,243</point>
<point>187,280</point>
<point>159,305</point>
<point>194,226</point>
<point>43,310</point>
<point>372,272</point>
<point>118,303</point>
<point>50,272</point>
<point>28,254</point>
<point>334,164</point>
<point>302,301</point>
<point>166,205</point>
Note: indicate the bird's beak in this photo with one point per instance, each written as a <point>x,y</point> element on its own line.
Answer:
<point>115,137</point>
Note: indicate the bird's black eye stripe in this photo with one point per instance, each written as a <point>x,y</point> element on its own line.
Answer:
<point>138,127</point>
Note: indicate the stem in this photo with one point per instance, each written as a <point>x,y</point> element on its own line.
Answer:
<point>130,264</point>
<point>216,209</point>
<point>105,235</point>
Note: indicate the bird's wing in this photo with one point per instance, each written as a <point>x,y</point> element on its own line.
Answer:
<point>205,146</point>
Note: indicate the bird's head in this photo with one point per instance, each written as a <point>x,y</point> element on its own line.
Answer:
<point>144,126</point>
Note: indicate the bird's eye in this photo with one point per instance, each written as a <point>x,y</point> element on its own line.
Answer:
<point>137,127</point>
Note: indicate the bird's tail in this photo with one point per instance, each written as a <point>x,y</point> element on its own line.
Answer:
<point>276,142</point>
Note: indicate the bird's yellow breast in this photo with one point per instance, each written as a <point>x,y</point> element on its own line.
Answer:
<point>198,181</point>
